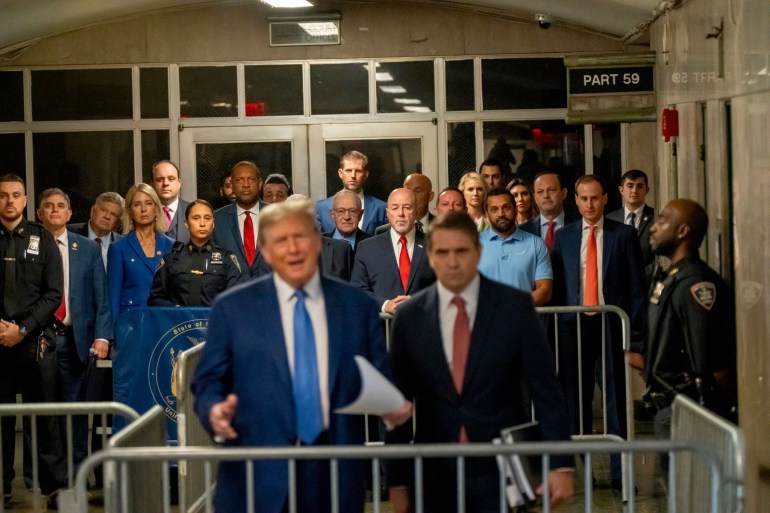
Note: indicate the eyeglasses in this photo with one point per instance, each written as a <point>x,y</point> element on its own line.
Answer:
<point>348,211</point>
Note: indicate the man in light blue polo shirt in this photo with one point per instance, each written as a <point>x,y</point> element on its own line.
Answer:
<point>514,257</point>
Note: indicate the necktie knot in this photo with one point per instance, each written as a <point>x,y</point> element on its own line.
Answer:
<point>632,219</point>
<point>59,242</point>
<point>551,224</point>
<point>98,240</point>
<point>167,210</point>
<point>459,302</point>
<point>300,294</point>
<point>402,240</point>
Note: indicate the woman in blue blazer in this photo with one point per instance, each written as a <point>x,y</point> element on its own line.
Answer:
<point>132,260</point>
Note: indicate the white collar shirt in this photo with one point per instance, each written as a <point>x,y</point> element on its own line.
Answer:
<point>254,219</point>
<point>627,212</point>
<point>447,312</point>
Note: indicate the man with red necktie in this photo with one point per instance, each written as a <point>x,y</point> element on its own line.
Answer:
<point>454,353</point>
<point>597,261</point>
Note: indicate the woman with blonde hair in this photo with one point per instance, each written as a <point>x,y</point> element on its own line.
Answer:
<point>522,197</point>
<point>132,260</point>
<point>474,189</point>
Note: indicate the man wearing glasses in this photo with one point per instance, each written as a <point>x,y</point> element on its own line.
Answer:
<point>346,213</point>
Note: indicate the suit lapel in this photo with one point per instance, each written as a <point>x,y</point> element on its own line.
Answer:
<point>236,233</point>
<point>133,243</point>
<point>74,263</point>
<point>609,243</point>
<point>479,336</point>
<point>418,257</point>
<point>434,346</point>
<point>267,297</point>
<point>647,218</point>
<point>334,310</point>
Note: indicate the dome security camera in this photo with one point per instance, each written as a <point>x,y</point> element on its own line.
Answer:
<point>544,21</point>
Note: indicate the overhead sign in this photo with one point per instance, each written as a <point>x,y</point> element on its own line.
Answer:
<point>611,80</point>
<point>305,32</point>
<point>612,88</point>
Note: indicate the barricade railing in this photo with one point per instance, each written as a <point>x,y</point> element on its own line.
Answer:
<point>138,460</point>
<point>692,422</point>
<point>68,411</point>
<point>149,430</point>
<point>192,488</point>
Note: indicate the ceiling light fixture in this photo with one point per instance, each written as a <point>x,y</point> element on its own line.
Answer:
<point>288,3</point>
<point>394,89</point>
<point>407,101</point>
<point>384,76</point>
<point>410,108</point>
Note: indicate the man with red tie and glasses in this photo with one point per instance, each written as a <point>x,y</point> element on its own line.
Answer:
<point>597,261</point>
<point>461,350</point>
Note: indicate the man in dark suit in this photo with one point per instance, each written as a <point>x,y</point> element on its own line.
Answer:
<point>235,225</point>
<point>353,173</point>
<point>83,322</point>
<point>635,212</point>
<point>346,212</point>
<point>549,198</point>
<point>103,225</point>
<point>597,261</point>
<point>281,386</point>
<point>392,266</point>
<point>422,188</point>
<point>454,353</point>
<point>167,182</point>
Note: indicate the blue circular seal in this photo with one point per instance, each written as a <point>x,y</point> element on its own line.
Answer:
<point>161,371</point>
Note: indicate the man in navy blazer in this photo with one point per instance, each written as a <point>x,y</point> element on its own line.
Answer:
<point>104,222</point>
<point>84,324</point>
<point>167,182</point>
<point>620,282</point>
<point>506,348</point>
<point>379,267</point>
<point>230,220</point>
<point>245,384</point>
<point>353,172</point>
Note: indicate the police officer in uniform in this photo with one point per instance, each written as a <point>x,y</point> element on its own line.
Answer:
<point>691,345</point>
<point>32,284</point>
<point>194,273</point>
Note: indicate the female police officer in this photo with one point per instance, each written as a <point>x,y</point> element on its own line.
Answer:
<point>193,274</point>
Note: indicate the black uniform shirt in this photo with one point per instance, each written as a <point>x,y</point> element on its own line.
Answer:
<point>31,275</point>
<point>194,276</point>
<point>691,331</point>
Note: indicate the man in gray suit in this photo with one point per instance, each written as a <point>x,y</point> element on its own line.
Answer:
<point>167,183</point>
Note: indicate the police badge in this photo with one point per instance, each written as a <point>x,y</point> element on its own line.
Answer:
<point>705,294</point>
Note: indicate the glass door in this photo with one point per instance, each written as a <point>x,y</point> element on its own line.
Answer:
<point>208,154</point>
<point>394,150</point>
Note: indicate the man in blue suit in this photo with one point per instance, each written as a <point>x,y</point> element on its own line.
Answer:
<point>168,184</point>
<point>282,385</point>
<point>83,321</point>
<point>393,265</point>
<point>102,227</point>
<point>353,172</point>
<point>597,261</point>
<point>235,225</point>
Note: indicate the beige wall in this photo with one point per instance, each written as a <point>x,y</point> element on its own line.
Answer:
<point>692,72</point>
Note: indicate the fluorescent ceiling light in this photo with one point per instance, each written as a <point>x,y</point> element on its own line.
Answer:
<point>410,108</point>
<point>394,89</point>
<point>319,28</point>
<point>384,76</point>
<point>288,3</point>
<point>763,71</point>
<point>407,101</point>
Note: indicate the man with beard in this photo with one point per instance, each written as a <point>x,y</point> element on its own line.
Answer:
<point>514,257</point>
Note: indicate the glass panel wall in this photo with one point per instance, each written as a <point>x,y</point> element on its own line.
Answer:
<point>459,85</point>
<point>524,83</point>
<point>405,87</point>
<point>461,141</point>
<point>11,96</point>
<point>155,147</point>
<point>208,92</point>
<point>153,87</point>
<point>274,90</point>
<point>80,94</point>
<point>339,88</point>
<point>12,152</point>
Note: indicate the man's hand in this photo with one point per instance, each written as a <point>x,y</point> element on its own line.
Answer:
<point>221,416</point>
<point>390,306</point>
<point>636,360</point>
<point>398,417</point>
<point>101,349</point>
<point>560,486</point>
<point>399,499</point>
<point>11,335</point>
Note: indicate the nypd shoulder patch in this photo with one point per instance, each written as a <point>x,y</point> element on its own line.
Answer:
<point>704,293</point>
<point>235,261</point>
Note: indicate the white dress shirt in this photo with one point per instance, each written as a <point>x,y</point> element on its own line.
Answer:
<point>599,234</point>
<point>638,212</point>
<point>316,308</point>
<point>559,220</point>
<point>62,242</point>
<point>254,218</point>
<point>363,206</point>
<point>395,237</point>
<point>447,312</point>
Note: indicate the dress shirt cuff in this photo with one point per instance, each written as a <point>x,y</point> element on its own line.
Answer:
<point>382,308</point>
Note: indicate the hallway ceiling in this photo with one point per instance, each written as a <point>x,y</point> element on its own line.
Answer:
<point>23,22</point>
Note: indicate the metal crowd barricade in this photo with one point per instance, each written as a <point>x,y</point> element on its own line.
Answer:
<point>140,460</point>
<point>68,411</point>
<point>692,422</point>
<point>192,489</point>
<point>625,325</point>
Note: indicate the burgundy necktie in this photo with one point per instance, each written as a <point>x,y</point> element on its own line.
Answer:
<point>248,238</point>
<point>461,343</point>
<point>404,264</point>
<point>591,293</point>
<point>61,312</point>
<point>549,235</point>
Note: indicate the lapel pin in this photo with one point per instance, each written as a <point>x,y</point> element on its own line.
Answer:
<point>132,259</point>
<point>75,246</point>
<point>158,253</point>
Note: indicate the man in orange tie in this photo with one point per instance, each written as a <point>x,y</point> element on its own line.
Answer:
<point>454,352</point>
<point>597,261</point>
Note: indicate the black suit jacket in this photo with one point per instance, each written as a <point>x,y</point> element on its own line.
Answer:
<point>499,361</point>
<point>648,218</point>
<point>385,227</point>
<point>360,235</point>
<point>82,229</point>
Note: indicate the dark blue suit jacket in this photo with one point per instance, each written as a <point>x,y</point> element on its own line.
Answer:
<point>88,298</point>
<point>130,273</point>
<point>376,268</point>
<point>252,363</point>
<point>622,273</point>
<point>177,229</point>
<point>227,235</point>
<point>374,214</point>
<point>508,348</point>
